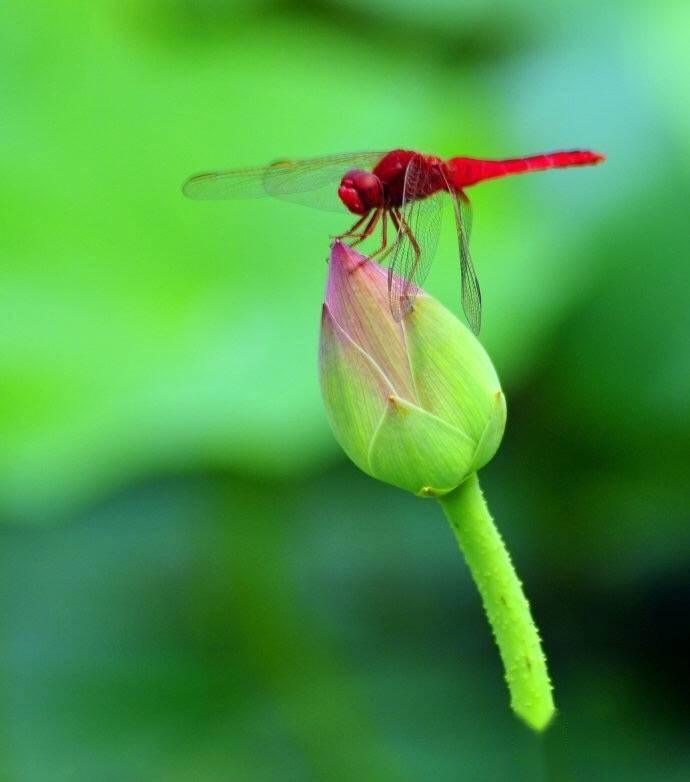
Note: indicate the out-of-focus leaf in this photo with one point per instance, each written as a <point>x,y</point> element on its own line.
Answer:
<point>140,329</point>
<point>201,630</point>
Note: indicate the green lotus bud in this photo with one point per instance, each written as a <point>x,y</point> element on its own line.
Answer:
<point>416,404</point>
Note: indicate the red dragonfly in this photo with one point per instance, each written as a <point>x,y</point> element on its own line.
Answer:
<point>402,186</point>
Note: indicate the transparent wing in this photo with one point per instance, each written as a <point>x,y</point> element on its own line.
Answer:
<point>471,295</point>
<point>312,182</point>
<point>419,226</point>
<point>466,212</point>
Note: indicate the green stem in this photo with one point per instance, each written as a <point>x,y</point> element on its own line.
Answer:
<point>504,602</point>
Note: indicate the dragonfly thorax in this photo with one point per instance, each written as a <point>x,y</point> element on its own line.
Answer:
<point>361,191</point>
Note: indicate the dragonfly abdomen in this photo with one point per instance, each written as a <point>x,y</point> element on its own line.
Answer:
<point>468,171</point>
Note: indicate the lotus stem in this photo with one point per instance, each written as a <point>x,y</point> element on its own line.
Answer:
<point>504,601</point>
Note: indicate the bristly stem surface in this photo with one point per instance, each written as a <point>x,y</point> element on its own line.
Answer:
<point>504,602</point>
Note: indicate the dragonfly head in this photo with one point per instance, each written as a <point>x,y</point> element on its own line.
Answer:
<point>360,191</point>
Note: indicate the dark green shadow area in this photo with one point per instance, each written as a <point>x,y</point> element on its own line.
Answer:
<point>215,628</point>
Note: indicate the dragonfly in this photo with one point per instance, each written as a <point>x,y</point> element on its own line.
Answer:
<point>399,191</point>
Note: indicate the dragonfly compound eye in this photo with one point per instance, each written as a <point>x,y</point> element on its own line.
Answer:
<point>369,188</point>
<point>360,191</point>
<point>350,197</point>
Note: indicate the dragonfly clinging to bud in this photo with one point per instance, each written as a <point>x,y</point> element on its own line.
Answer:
<point>403,187</point>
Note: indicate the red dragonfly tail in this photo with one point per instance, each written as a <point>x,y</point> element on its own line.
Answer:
<point>468,170</point>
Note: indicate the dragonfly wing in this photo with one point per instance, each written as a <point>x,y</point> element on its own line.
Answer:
<point>419,226</point>
<point>312,182</point>
<point>466,213</point>
<point>235,183</point>
<point>471,295</point>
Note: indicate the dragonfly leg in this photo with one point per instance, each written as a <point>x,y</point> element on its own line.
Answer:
<point>411,236</point>
<point>385,249</point>
<point>384,235</point>
<point>353,230</point>
<point>369,228</point>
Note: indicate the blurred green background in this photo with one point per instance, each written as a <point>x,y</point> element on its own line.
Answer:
<point>195,584</point>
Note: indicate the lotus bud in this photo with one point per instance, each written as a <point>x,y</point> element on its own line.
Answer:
<point>415,403</point>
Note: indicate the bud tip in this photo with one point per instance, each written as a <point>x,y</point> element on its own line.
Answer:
<point>343,255</point>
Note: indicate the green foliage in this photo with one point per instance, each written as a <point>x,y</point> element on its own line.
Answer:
<point>161,630</point>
